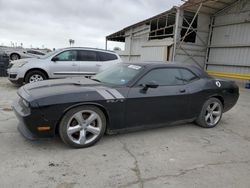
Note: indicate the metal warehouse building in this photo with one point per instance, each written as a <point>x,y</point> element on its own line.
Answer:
<point>212,34</point>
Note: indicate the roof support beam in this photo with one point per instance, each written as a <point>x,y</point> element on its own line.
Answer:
<point>190,25</point>
<point>227,7</point>
<point>193,30</point>
<point>188,3</point>
<point>190,56</point>
<point>176,33</point>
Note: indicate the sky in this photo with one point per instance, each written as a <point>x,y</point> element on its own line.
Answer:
<point>51,23</point>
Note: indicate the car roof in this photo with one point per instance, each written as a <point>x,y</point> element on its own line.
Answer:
<point>88,48</point>
<point>160,64</point>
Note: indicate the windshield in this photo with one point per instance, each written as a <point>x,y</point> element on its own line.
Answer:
<point>49,54</point>
<point>119,74</point>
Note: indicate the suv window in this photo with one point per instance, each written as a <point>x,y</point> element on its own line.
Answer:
<point>69,55</point>
<point>87,55</point>
<point>106,56</point>
<point>187,75</point>
<point>35,52</point>
<point>163,76</point>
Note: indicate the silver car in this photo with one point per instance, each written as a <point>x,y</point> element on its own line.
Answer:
<point>61,63</point>
<point>21,53</point>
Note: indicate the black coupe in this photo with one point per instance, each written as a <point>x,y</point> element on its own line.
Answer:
<point>122,98</point>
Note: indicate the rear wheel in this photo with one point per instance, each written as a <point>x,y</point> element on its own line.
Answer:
<point>35,76</point>
<point>82,126</point>
<point>211,113</point>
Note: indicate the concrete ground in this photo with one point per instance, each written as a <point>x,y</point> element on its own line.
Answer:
<point>177,156</point>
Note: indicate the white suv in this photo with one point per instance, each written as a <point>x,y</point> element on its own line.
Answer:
<point>61,63</point>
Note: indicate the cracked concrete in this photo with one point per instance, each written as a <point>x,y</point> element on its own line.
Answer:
<point>136,168</point>
<point>182,156</point>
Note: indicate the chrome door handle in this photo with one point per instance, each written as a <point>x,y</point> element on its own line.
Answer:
<point>74,64</point>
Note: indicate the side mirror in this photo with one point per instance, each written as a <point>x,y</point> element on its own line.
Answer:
<point>149,85</point>
<point>55,59</point>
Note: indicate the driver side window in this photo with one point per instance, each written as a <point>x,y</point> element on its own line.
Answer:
<point>67,56</point>
<point>163,77</point>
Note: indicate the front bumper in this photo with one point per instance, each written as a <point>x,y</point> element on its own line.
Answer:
<point>29,121</point>
<point>19,81</point>
<point>14,77</point>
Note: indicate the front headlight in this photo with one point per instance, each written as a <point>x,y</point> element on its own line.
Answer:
<point>22,64</point>
<point>19,64</point>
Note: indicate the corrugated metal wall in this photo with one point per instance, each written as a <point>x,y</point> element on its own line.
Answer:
<point>197,50</point>
<point>230,44</point>
<point>155,53</point>
<point>139,48</point>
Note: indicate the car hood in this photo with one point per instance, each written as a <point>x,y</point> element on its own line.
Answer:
<point>59,88</point>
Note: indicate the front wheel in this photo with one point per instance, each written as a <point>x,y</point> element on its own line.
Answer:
<point>82,126</point>
<point>211,113</point>
<point>15,56</point>
<point>34,76</point>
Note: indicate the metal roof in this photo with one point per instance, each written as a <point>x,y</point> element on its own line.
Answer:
<point>120,35</point>
<point>208,6</point>
<point>211,7</point>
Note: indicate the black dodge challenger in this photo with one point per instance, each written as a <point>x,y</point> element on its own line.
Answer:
<point>122,98</point>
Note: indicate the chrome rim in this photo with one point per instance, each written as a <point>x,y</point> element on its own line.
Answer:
<point>213,113</point>
<point>35,78</point>
<point>84,127</point>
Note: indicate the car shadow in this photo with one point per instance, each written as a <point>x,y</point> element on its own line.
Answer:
<point>56,143</point>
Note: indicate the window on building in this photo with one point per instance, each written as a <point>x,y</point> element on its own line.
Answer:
<point>162,27</point>
<point>188,17</point>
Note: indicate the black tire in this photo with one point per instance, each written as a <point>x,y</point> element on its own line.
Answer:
<point>201,120</point>
<point>67,119</point>
<point>15,56</point>
<point>32,73</point>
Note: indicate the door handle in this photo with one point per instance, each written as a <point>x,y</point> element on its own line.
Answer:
<point>98,65</point>
<point>182,90</point>
<point>74,64</point>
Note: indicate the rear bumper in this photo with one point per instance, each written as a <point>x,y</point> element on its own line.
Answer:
<point>29,121</point>
<point>230,100</point>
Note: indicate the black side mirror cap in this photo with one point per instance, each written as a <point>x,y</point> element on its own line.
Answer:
<point>55,59</point>
<point>149,85</point>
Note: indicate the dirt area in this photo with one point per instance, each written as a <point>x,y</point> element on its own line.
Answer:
<point>176,156</point>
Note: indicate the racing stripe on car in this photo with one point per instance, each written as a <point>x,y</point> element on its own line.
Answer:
<point>115,93</point>
<point>105,94</point>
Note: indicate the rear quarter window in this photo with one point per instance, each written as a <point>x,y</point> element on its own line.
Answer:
<point>103,56</point>
<point>187,75</point>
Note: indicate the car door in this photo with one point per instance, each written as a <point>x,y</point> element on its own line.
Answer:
<point>65,64</point>
<point>88,61</point>
<point>166,103</point>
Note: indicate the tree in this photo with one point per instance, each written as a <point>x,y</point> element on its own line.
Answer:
<point>71,42</point>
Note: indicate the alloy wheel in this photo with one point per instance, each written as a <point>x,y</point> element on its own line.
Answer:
<point>213,113</point>
<point>35,78</point>
<point>84,127</point>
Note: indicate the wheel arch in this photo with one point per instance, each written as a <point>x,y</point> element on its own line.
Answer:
<point>12,53</point>
<point>36,69</point>
<point>101,107</point>
<point>220,98</point>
